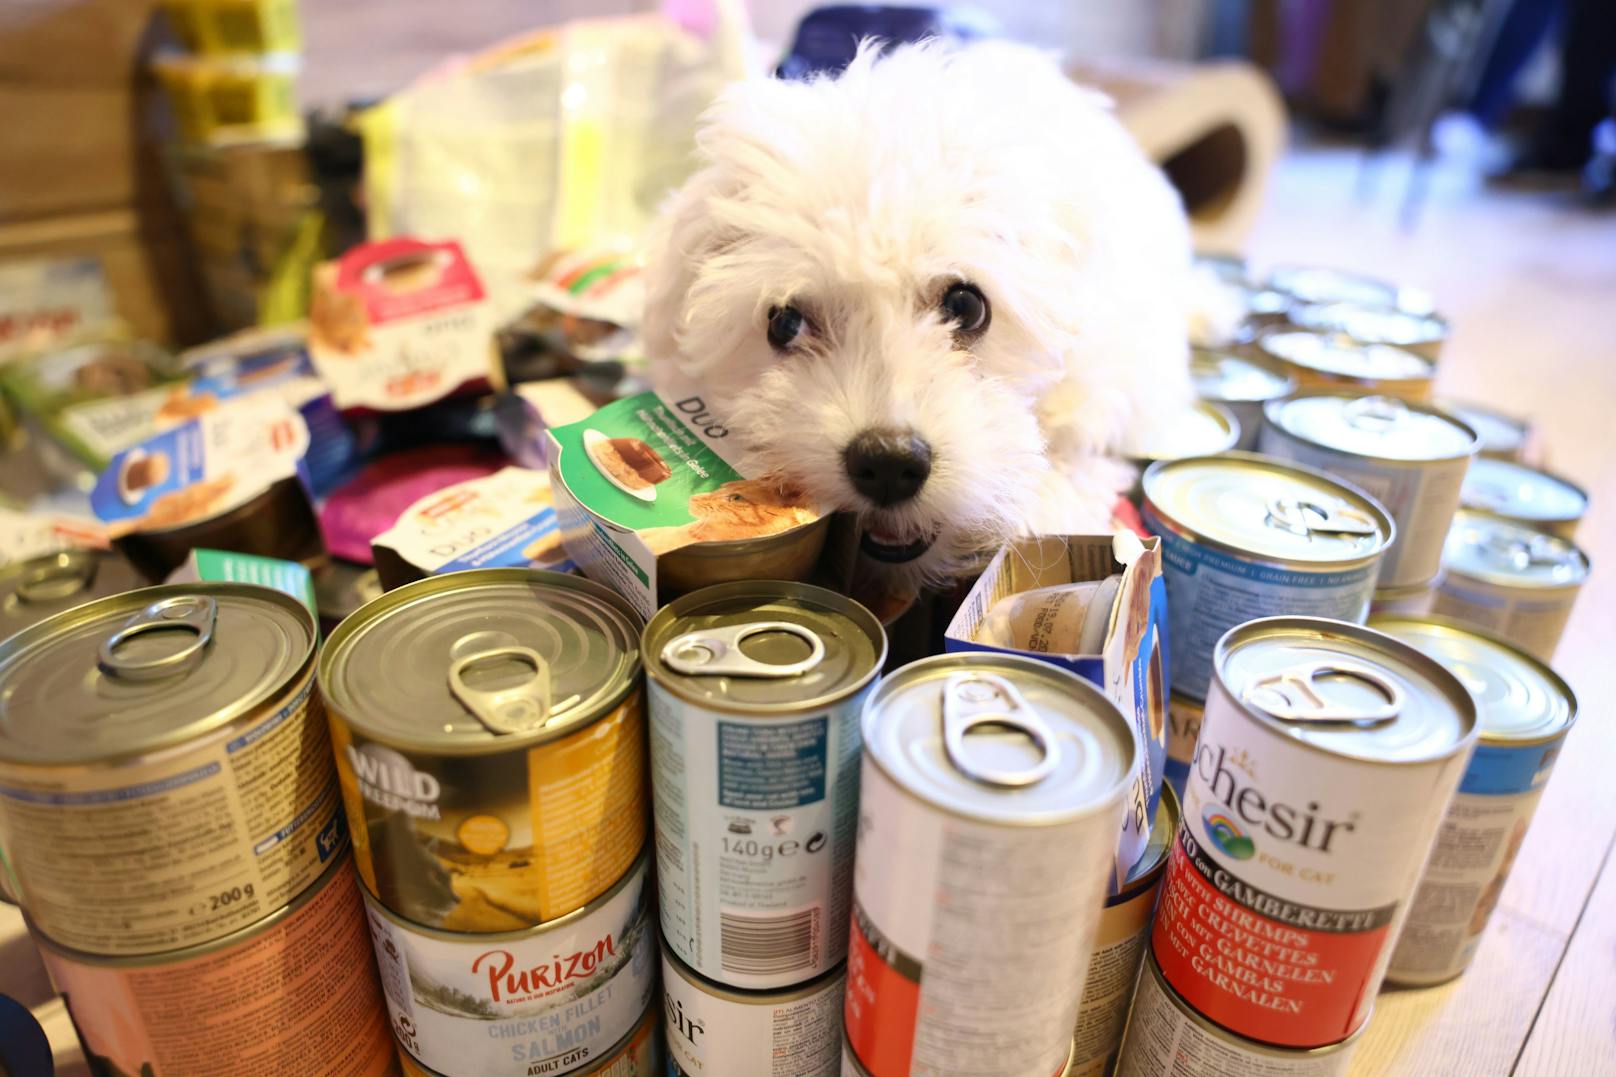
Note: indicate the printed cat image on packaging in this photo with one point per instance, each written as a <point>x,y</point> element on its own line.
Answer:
<point>651,503</point>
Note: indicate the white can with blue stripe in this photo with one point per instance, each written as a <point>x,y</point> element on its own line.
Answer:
<point>1246,536</point>
<point>1525,712</point>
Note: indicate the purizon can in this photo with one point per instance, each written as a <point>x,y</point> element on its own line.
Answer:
<point>1183,727</point>
<point>715,1031</point>
<point>1241,383</point>
<point>164,766</point>
<point>992,791</point>
<point>1167,1038</point>
<point>1124,933</point>
<point>639,1054</point>
<point>1524,495</point>
<point>1525,712</point>
<point>549,1000</point>
<point>1328,755</point>
<point>489,733</point>
<point>1510,580</point>
<point>755,694</point>
<point>1335,361</point>
<point>1410,458</point>
<point>1247,536</point>
<point>294,993</point>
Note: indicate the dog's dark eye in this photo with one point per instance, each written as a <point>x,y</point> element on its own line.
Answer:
<point>785,326</point>
<point>967,308</point>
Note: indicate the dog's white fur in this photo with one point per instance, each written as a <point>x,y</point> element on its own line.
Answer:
<point>860,200</point>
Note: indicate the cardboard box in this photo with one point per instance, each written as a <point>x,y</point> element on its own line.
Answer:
<point>226,566</point>
<point>1130,666</point>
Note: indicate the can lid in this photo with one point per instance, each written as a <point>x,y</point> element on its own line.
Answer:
<point>482,660</point>
<point>1318,284</point>
<point>1202,430</point>
<point>1517,697</point>
<point>1255,504</point>
<point>1230,378</point>
<point>1500,551</point>
<point>1336,353</point>
<point>1521,492</point>
<point>1500,434</point>
<point>1345,689</point>
<point>147,669</point>
<point>1000,738</point>
<point>1370,324</point>
<point>761,646</point>
<point>1373,426</point>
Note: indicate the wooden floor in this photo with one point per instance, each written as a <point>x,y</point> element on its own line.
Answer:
<point>1530,285</point>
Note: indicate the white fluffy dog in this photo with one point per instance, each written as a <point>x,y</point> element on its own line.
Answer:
<point>934,291</point>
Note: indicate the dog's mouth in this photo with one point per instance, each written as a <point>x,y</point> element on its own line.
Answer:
<point>894,547</point>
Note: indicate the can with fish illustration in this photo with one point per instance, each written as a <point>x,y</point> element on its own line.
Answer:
<point>294,993</point>
<point>1335,361</point>
<point>1247,536</point>
<point>551,999</point>
<point>1327,758</point>
<point>755,693</point>
<point>489,734</point>
<point>165,773</point>
<point>1118,949</point>
<point>718,1031</point>
<point>639,1054</point>
<point>1525,711</point>
<point>1512,581</point>
<point>992,791</point>
<point>1525,495</point>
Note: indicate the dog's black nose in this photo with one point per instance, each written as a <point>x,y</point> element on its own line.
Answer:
<point>887,466</point>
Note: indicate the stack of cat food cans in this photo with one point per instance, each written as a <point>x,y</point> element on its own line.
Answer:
<point>171,820</point>
<point>489,734</point>
<point>755,695</point>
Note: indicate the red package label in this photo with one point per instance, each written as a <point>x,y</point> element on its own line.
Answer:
<point>403,278</point>
<point>883,1000</point>
<point>1259,965</point>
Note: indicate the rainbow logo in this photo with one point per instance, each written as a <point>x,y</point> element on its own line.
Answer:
<point>1226,834</point>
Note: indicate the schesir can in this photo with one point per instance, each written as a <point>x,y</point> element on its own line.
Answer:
<point>1511,580</point>
<point>992,792</point>
<point>490,736</point>
<point>1124,933</point>
<point>1166,1037</point>
<point>1525,712</point>
<point>639,1054</point>
<point>294,993</point>
<point>549,1000</point>
<point>755,694</point>
<point>1247,536</point>
<point>715,1031</point>
<point>1327,758</point>
<point>1525,496</point>
<point>1183,727</point>
<point>164,767</point>
<point>1411,458</point>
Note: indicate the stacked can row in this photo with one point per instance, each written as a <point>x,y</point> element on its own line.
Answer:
<point>174,834</point>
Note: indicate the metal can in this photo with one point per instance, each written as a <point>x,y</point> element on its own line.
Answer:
<point>992,792</point>
<point>1413,601</point>
<point>340,588</point>
<point>1124,933</point>
<point>1503,437</point>
<point>1319,284</point>
<point>1525,495</point>
<point>1248,536</point>
<point>851,1067</point>
<point>1204,430</point>
<point>39,587</point>
<point>1240,383</point>
<point>551,999</point>
<point>164,766</point>
<point>1409,457</point>
<point>1335,361</point>
<point>1422,334</point>
<point>755,692</point>
<point>1167,1037</point>
<point>1183,727</point>
<point>490,738</point>
<point>716,1031</point>
<point>1510,580</point>
<point>1525,711</point>
<point>293,993</point>
<point>277,522</point>
<point>1328,755</point>
<point>639,1054</point>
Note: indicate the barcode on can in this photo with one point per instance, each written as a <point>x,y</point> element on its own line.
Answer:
<point>769,945</point>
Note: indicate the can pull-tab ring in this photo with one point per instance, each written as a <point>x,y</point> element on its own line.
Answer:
<point>971,700</point>
<point>1519,554</point>
<point>717,651</point>
<point>192,613</point>
<point>56,576</point>
<point>1291,695</point>
<point>520,708</point>
<point>1301,517</point>
<point>1375,414</point>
